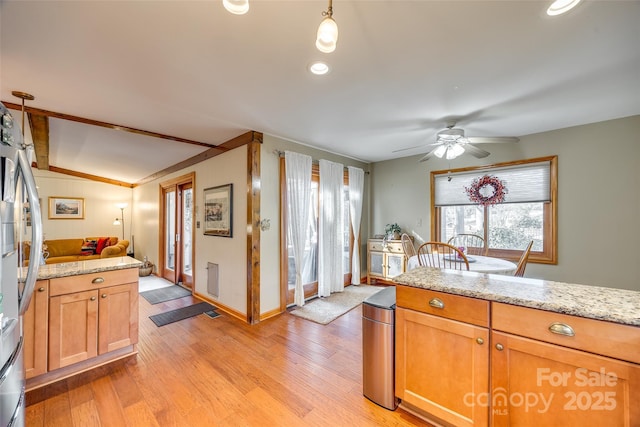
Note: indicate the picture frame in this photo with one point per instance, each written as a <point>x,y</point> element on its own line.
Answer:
<point>218,211</point>
<point>66,208</point>
<point>26,212</point>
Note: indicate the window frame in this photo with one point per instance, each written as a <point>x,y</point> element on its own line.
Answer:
<point>550,218</point>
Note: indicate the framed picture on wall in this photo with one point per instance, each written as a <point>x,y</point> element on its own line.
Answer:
<point>218,211</point>
<point>66,208</point>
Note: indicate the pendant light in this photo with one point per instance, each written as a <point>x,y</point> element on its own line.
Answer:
<point>237,7</point>
<point>327,32</point>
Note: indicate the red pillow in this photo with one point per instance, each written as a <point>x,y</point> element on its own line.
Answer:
<point>102,243</point>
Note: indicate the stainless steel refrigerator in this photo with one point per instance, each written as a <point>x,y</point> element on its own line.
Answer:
<point>20,220</point>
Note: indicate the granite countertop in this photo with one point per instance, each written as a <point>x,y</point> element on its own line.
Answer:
<point>64,269</point>
<point>614,305</point>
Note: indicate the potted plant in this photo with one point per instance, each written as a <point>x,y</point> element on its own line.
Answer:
<point>393,231</point>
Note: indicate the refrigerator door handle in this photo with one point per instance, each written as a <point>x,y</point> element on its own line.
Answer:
<point>36,230</point>
<point>6,369</point>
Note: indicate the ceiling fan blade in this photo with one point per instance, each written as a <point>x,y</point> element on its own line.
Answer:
<point>475,151</point>
<point>492,139</point>
<point>427,156</point>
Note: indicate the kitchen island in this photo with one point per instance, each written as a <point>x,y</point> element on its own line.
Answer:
<point>476,349</point>
<point>82,315</point>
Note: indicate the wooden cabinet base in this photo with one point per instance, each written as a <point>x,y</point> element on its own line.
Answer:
<point>77,368</point>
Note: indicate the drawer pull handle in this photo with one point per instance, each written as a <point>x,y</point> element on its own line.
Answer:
<point>92,298</point>
<point>562,329</point>
<point>104,295</point>
<point>436,303</point>
<point>480,341</point>
<point>97,280</point>
<point>499,347</point>
<point>40,289</point>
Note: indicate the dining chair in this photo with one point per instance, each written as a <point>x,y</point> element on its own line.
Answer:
<point>475,244</point>
<point>407,246</point>
<point>442,255</point>
<point>522,264</point>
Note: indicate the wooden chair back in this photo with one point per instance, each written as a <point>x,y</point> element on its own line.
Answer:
<point>442,255</point>
<point>522,264</point>
<point>475,244</point>
<point>407,246</point>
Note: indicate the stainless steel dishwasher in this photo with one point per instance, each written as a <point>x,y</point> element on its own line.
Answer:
<point>378,348</point>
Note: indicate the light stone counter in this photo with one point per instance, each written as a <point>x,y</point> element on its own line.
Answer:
<point>64,269</point>
<point>614,305</point>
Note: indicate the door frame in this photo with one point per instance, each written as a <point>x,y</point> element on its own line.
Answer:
<point>175,184</point>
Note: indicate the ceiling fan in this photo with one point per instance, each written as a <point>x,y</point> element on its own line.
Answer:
<point>451,143</point>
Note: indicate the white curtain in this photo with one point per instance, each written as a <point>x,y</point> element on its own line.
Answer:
<point>298,178</point>
<point>331,229</point>
<point>356,188</point>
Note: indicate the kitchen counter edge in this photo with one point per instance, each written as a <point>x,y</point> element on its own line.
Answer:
<point>593,302</point>
<point>65,269</point>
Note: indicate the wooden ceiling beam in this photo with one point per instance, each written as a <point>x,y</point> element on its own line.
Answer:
<point>90,177</point>
<point>41,112</point>
<point>244,139</point>
<point>40,134</point>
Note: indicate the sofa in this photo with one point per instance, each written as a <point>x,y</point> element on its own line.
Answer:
<point>72,250</point>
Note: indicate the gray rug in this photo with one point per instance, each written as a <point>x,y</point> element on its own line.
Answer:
<point>167,293</point>
<point>182,313</point>
<point>326,310</point>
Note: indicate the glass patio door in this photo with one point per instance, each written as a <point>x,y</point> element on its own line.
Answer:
<point>177,231</point>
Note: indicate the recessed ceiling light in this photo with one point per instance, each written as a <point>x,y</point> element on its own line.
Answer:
<point>559,7</point>
<point>319,68</point>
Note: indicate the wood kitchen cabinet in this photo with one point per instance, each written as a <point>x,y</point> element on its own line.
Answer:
<point>385,260</point>
<point>442,355</point>
<point>92,314</point>
<point>36,330</point>
<point>554,369</point>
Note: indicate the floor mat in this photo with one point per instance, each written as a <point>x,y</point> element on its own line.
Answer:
<point>168,293</point>
<point>181,313</point>
<point>326,310</point>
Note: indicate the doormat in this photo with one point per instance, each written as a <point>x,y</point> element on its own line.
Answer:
<point>167,293</point>
<point>326,310</point>
<point>181,313</point>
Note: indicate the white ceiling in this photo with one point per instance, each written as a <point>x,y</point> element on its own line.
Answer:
<point>401,70</point>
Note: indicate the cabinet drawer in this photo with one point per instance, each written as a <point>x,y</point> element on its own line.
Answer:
<point>463,309</point>
<point>395,247</point>
<point>595,336</point>
<point>85,282</point>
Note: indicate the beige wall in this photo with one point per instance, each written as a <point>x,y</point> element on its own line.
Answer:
<point>228,253</point>
<point>99,203</point>
<point>598,198</point>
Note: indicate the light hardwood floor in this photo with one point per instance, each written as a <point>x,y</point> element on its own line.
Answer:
<point>284,371</point>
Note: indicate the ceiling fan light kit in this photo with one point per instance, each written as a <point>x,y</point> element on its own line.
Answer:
<point>451,143</point>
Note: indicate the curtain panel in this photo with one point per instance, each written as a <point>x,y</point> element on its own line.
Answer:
<point>330,230</point>
<point>298,180</point>
<point>356,189</point>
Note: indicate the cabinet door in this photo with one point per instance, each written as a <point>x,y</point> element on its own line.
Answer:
<point>36,329</point>
<point>376,264</point>
<point>395,265</point>
<point>73,328</point>
<point>118,317</point>
<point>540,384</point>
<point>440,365</point>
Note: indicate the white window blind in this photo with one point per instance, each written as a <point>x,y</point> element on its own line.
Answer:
<point>525,183</point>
